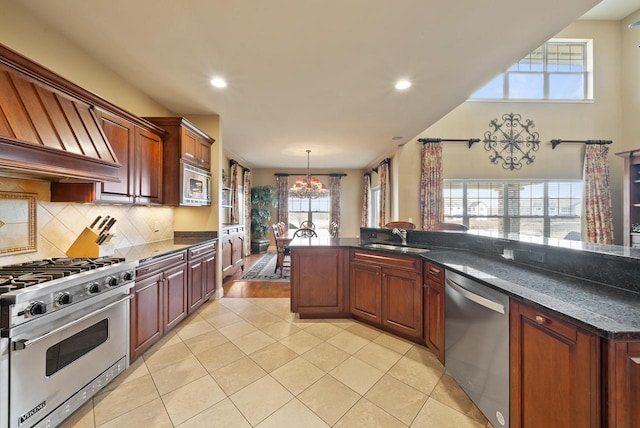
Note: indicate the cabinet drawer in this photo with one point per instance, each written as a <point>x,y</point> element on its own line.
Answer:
<point>199,251</point>
<point>433,272</point>
<point>382,259</point>
<point>160,263</point>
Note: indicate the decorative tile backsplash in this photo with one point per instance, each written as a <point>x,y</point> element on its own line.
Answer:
<point>58,224</point>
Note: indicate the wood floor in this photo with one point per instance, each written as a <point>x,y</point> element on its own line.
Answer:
<point>233,288</point>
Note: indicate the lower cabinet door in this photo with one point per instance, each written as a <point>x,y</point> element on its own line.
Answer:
<point>175,295</point>
<point>317,281</point>
<point>623,383</point>
<point>555,374</point>
<point>365,292</point>
<point>402,302</point>
<point>209,264</point>
<point>146,326</point>
<point>434,318</point>
<point>195,291</point>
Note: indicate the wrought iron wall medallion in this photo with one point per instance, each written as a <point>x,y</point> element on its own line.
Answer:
<point>511,141</point>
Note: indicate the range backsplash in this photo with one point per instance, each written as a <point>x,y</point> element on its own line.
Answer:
<point>58,224</point>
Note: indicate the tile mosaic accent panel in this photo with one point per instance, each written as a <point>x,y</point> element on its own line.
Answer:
<point>17,222</point>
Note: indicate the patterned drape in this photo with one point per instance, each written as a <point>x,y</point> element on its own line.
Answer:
<point>247,210</point>
<point>431,196</point>
<point>334,197</point>
<point>235,189</point>
<point>366,189</point>
<point>597,194</point>
<point>282,183</point>
<point>383,172</point>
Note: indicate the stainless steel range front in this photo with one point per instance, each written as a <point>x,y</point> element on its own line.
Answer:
<point>64,335</point>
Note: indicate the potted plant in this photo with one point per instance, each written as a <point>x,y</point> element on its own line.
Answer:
<point>262,198</point>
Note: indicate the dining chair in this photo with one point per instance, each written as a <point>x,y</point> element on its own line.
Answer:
<point>281,249</point>
<point>448,226</point>
<point>307,224</point>
<point>305,233</point>
<point>406,225</point>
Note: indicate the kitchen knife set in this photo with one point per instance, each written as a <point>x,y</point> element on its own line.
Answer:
<point>102,229</point>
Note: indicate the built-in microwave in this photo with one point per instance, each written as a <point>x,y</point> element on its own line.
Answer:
<point>196,186</point>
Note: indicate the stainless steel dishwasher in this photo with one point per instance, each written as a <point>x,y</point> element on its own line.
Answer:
<point>477,344</point>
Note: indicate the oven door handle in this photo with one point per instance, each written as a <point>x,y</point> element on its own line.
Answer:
<point>23,344</point>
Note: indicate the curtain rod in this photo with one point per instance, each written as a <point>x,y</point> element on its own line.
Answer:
<point>382,162</point>
<point>333,174</point>
<point>233,161</point>
<point>554,143</point>
<point>470,141</point>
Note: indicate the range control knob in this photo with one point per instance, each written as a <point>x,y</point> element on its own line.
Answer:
<point>37,308</point>
<point>111,281</point>
<point>63,299</point>
<point>93,288</point>
<point>127,276</point>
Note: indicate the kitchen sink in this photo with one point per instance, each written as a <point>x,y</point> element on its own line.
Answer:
<point>398,248</point>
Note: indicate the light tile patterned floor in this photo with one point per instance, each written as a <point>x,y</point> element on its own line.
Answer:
<point>250,363</point>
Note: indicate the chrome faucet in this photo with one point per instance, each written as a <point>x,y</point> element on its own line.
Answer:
<point>402,234</point>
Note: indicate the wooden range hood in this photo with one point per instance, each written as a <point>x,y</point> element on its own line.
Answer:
<point>48,126</point>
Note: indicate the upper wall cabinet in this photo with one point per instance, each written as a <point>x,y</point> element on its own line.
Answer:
<point>184,144</point>
<point>139,150</point>
<point>185,141</point>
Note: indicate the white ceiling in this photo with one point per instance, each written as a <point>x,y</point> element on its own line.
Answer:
<point>310,74</point>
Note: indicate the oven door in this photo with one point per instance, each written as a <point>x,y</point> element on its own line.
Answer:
<point>50,363</point>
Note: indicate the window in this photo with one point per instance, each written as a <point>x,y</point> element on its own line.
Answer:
<point>374,207</point>
<point>537,208</point>
<point>315,210</point>
<point>557,70</point>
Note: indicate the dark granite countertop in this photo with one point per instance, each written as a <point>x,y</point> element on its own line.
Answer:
<point>151,250</point>
<point>608,311</point>
<point>605,310</point>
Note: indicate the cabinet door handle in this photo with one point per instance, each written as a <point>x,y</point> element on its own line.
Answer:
<point>540,319</point>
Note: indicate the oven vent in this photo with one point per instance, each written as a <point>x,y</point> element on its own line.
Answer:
<point>46,129</point>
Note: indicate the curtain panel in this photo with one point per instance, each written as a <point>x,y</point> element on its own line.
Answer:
<point>235,189</point>
<point>366,190</point>
<point>247,210</point>
<point>334,198</point>
<point>431,185</point>
<point>282,184</point>
<point>597,194</point>
<point>383,172</point>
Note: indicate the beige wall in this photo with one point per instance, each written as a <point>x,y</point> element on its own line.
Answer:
<point>600,119</point>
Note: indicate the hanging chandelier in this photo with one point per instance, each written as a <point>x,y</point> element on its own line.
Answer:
<point>309,188</point>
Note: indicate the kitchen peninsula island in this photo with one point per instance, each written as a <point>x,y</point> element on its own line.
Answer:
<point>576,303</point>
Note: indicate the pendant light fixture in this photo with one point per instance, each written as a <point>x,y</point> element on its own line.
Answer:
<point>309,187</point>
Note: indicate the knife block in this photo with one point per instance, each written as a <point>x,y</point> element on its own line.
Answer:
<point>85,246</point>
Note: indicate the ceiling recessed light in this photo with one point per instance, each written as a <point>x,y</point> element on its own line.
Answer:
<point>218,82</point>
<point>396,138</point>
<point>403,84</point>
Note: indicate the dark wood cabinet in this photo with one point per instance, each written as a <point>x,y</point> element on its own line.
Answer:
<point>555,375</point>
<point>365,292</point>
<point>622,403</point>
<point>433,310</point>
<point>386,290</point>
<point>232,249</point>
<point>175,295</point>
<point>318,281</point>
<point>201,275</point>
<point>139,151</point>
<point>402,301</point>
<point>183,142</point>
<point>631,196</point>
<point>159,300</point>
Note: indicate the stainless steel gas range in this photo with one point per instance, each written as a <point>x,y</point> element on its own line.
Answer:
<point>64,335</point>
